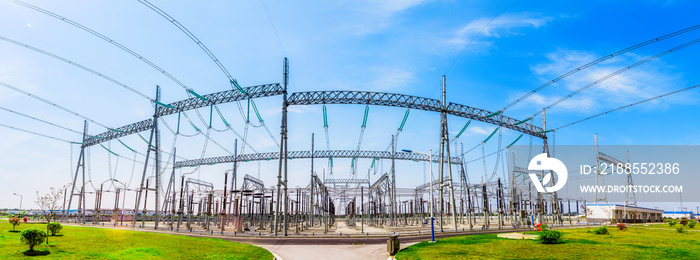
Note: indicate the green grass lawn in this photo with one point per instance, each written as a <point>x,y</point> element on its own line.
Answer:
<point>634,243</point>
<point>104,243</point>
<point>666,226</point>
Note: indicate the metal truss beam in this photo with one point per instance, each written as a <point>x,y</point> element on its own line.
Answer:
<point>320,183</point>
<point>347,181</point>
<point>118,132</point>
<point>384,178</point>
<point>260,91</point>
<point>307,154</point>
<point>520,170</point>
<point>499,120</point>
<point>320,97</point>
<point>227,96</point>
<point>413,102</point>
<point>435,183</point>
<point>252,182</point>
<point>199,183</point>
<point>609,159</point>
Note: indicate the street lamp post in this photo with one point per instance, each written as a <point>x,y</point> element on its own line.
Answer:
<point>20,203</point>
<point>432,216</point>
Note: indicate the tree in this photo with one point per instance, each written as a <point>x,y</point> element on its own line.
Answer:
<point>49,204</point>
<point>14,221</point>
<point>54,227</point>
<point>33,237</point>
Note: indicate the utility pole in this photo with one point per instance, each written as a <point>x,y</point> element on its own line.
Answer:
<point>630,184</point>
<point>443,116</point>
<point>283,155</point>
<point>445,146</point>
<point>171,188</point>
<point>545,149</point>
<point>81,164</point>
<point>393,183</point>
<point>223,211</point>
<point>156,149</point>
<point>599,174</point>
<point>234,176</point>
<point>311,198</point>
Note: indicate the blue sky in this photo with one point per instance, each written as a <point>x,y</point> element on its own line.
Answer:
<point>388,46</point>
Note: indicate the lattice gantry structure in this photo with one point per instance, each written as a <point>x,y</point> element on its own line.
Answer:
<point>252,204</point>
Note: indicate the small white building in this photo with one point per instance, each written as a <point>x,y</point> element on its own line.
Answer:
<point>678,214</point>
<point>615,213</point>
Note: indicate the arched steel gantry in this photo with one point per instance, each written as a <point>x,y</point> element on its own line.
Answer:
<point>227,96</point>
<point>307,154</point>
<point>319,97</point>
<point>413,102</point>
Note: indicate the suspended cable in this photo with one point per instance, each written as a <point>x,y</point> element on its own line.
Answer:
<point>359,142</point>
<point>89,169</point>
<point>77,65</point>
<point>40,120</point>
<point>626,106</point>
<point>101,36</point>
<point>189,34</point>
<point>618,72</point>
<point>273,27</point>
<point>211,55</point>
<point>113,42</point>
<point>118,155</point>
<point>35,133</point>
<point>328,143</point>
<point>599,60</point>
<point>51,103</point>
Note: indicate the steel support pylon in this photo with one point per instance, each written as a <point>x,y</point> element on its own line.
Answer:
<point>81,164</point>
<point>156,149</point>
<point>283,156</point>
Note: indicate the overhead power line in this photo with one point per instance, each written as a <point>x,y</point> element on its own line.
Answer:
<point>626,106</point>
<point>35,133</point>
<point>189,34</point>
<point>211,55</point>
<point>617,73</point>
<point>103,37</point>
<point>40,120</point>
<point>52,104</point>
<point>599,60</point>
<point>273,27</point>
<point>77,65</point>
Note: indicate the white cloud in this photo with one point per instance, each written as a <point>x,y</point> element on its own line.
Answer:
<point>630,86</point>
<point>372,16</point>
<point>390,79</point>
<point>477,130</point>
<point>507,24</point>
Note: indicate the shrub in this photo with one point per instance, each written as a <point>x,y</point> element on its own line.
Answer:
<point>621,226</point>
<point>549,236</point>
<point>680,229</point>
<point>14,221</point>
<point>672,223</point>
<point>692,223</point>
<point>32,237</point>
<point>54,227</point>
<point>684,221</point>
<point>540,226</point>
<point>601,230</point>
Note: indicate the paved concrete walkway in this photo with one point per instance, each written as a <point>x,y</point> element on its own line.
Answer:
<point>351,251</point>
<point>336,249</point>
